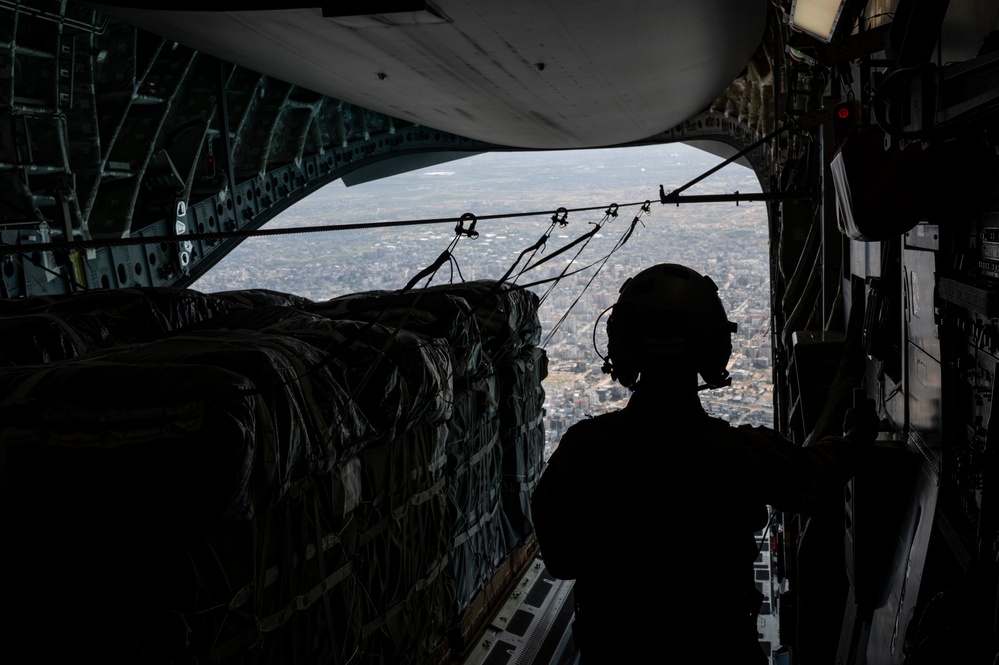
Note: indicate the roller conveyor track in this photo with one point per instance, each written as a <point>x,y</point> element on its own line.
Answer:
<point>532,627</point>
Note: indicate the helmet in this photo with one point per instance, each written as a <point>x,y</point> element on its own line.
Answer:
<point>669,315</point>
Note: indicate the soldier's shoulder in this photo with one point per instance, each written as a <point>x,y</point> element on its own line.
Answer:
<point>592,431</point>
<point>602,421</point>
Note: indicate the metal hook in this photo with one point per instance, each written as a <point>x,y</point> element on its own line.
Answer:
<point>611,211</point>
<point>561,217</point>
<point>470,231</point>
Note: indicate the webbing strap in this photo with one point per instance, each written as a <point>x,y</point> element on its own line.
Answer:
<point>420,585</point>
<point>486,518</point>
<point>277,619</point>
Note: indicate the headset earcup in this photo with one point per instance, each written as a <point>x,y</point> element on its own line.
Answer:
<point>668,313</point>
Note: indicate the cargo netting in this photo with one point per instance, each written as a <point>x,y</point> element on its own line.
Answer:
<point>253,477</point>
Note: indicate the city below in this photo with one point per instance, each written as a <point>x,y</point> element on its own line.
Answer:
<point>729,242</point>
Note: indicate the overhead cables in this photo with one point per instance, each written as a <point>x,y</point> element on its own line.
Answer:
<point>6,249</point>
<point>609,215</point>
<point>446,255</point>
<point>646,209</point>
<point>561,219</point>
<point>558,219</point>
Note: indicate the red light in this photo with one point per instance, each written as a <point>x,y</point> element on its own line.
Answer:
<point>843,113</point>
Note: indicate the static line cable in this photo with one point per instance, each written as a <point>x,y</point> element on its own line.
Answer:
<point>558,277</point>
<point>609,214</point>
<point>549,280</point>
<point>6,249</point>
<point>456,267</point>
<point>446,255</point>
<point>646,209</point>
<point>429,270</point>
<point>560,219</point>
<point>620,243</point>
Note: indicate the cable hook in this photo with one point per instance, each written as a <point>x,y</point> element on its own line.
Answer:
<point>470,231</point>
<point>612,210</point>
<point>561,217</point>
